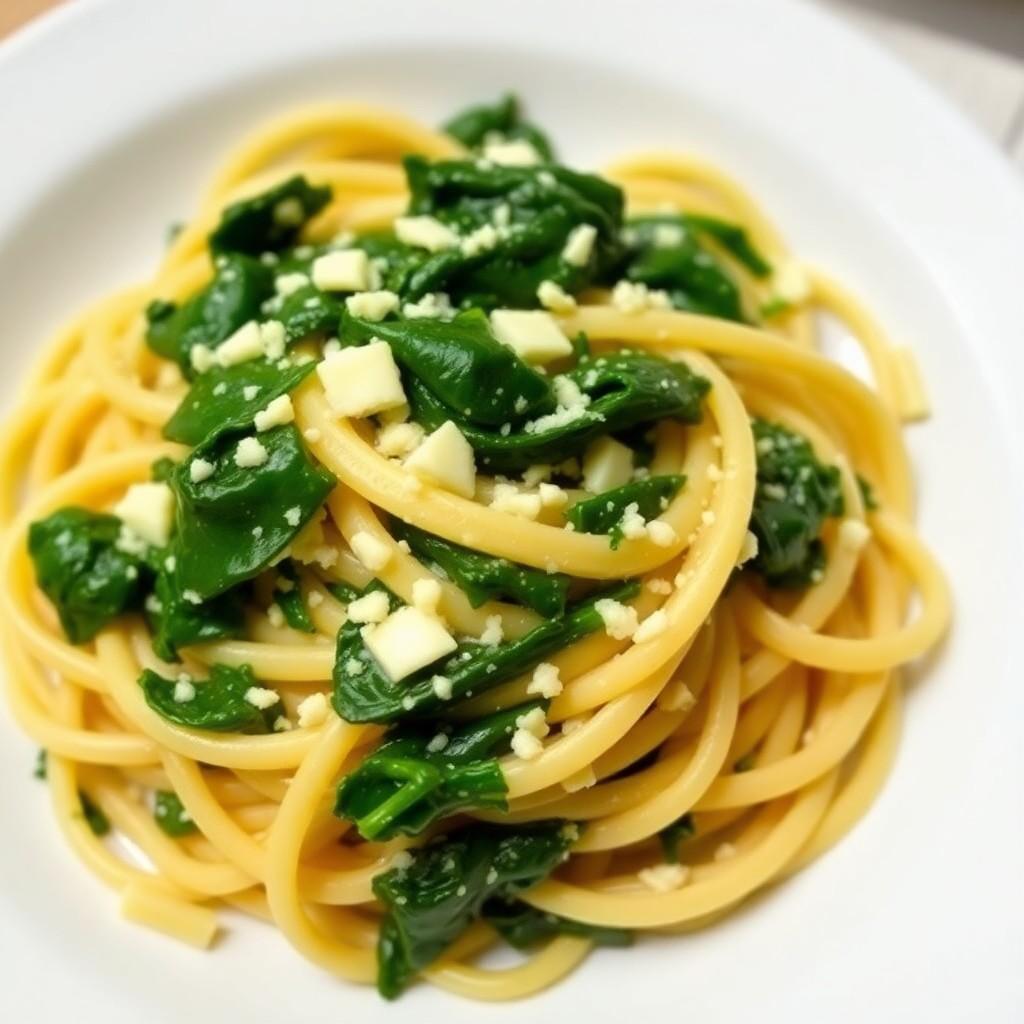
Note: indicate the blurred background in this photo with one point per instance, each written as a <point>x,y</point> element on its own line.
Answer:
<point>970,50</point>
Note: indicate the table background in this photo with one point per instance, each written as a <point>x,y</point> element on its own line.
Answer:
<point>971,50</point>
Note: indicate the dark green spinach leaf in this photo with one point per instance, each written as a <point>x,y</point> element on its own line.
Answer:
<point>523,926</point>
<point>672,835</point>
<point>430,903</point>
<point>170,814</point>
<point>79,566</point>
<point>603,513</point>
<point>504,119</point>
<point>97,821</point>
<point>219,702</point>
<point>289,599</point>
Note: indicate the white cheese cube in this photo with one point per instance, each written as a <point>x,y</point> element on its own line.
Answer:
<point>533,335</point>
<point>407,640</point>
<point>277,413</point>
<point>372,305</point>
<point>245,344</point>
<point>425,233</point>
<point>579,245</point>
<point>511,152</point>
<point>426,595</point>
<point>285,284</point>
<point>372,607</point>
<point>554,297</point>
<point>148,510</point>
<point>607,464</point>
<point>361,381</point>
<point>345,270</point>
<point>373,553</point>
<point>445,458</point>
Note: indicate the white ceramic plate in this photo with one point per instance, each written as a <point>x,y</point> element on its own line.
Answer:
<point>112,114</point>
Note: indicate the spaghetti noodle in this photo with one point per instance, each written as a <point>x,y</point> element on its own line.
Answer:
<point>603,664</point>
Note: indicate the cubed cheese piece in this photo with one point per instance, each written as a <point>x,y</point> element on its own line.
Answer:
<point>445,458</point>
<point>664,877</point>
<point>509,499</point>
<point>425,233</point>
<point>372,607</point>
<point>202,358</point>
<point>554,297</point>
<point>407,640</point>
<point>361,381</point>
<point>372,305</point>
<point>579,245</point>
<point>285,284</point>
<point>399,439</point>
<point>148,510</point>
<point>662,533</point>
<point>426,595</point>
<point>532,334</point>
<point>345,270</point>
<point>243,345</point>
<point>313,710</point>
<point>373,553</point>
<point>494,631</point>
<point>791,283</point>
<point>607,464</point>
<point>749,548</point>
<point>277,413</point>
<point>511,152</point>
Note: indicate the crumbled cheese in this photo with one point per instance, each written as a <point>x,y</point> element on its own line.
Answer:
<point>250,453</point>
<point>407,640</point>
<point>707,517</point>
<point>285,284</point>
<point>534,722</point>
<point>725,851</point>
<point>636,297</point>
<point>659,586</point>
<point>481,240</point>
<point>402,860</point>
<point>661,533</point>
<point>260,698</point>
<point>664,877</point>
<point>532,334</point>
<point>148,511</point>
<point>853,534</point>
<point>445,458</point>
<point>344,270</point>
<point>272,338</point>
<point>202,358</point>
<point>667,236</point>
<point>293,515</point>
<point>632,524</point>
<point>442,687</point>
<point>398,439</point>
<point>184,691</point>
<point>361,380</point>
<point>192,597</point>
<point>553,296</point>
<point>508,499</point>
<point>494,631</point>
<point>426,595</point>
<point>552,496</point>
<point>372,305</point>
<point>277,413</point>
<point>791,283</point>
<point>275,616</point>
<point>313,711</point>
<point>249,392</point>
<point>570,725</point>
<point>371,551</point>
<point>437,743</point>
<point>511,152</point>
<point>545,681</point>
<point>579,245</point>
<point>653,626</point>
<point>315,599</point>
<point>677,697</point>
<point>354,667</point>
<point>534,475</point>
<point>749,548</point>
<point>372,607</point>
<point>243,345</point>
<point>425,233</point>
<point>525,745</point>
<point>607,464</point>
<point>289,212</point>
<point>282,724</point>
<point>433,305</point>
<point>620,620</point>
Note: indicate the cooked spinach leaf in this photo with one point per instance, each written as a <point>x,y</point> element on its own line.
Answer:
<point>227,399</point>
<point>39,771</point>
<point>419,775</point>
<point>308,311</point>
<point>170,814</point>
<point>232,524</point>
<point>176,622</point>
<point>502,119</point>
<point>289,599</point>
<point>672,835</point>
<point>462,364</point>
<point>618,391</point>
<point>368,695</point>
<point>603,513</point>
<point>433,900</point>
<point>795,493</point>
<point>239,287</point>
<point>514,222</point>
<point>218,703</point>
<point>97,821</point>
<point>79,566</point>
<point>523,926</point>
<point>271,220</point>
<point>665,252</point>
<point>485,578</point>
